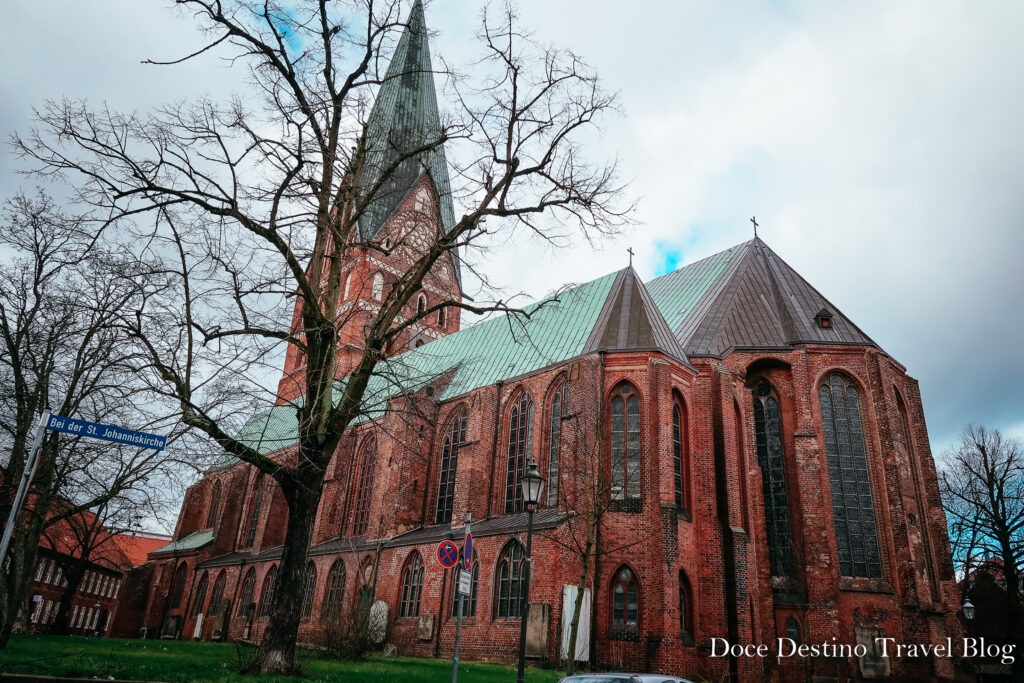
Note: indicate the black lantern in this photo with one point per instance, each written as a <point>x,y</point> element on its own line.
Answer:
<point>968,608</point>
<point>532,484</point>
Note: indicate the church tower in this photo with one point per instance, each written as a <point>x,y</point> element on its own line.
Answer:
<point>404,194</point>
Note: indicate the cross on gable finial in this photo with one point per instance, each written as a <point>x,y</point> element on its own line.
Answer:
<point>753,219</point>
<point>631,252</point>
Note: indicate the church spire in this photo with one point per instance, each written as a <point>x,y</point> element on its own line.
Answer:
<point>404,118</point>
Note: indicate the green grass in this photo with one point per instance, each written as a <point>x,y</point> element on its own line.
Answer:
<point>169,660</point>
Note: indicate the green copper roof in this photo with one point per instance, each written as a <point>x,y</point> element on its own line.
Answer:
<point>405,118</point>
<point>498,349</point>
<point>678,292</point>
<point>194,541</point>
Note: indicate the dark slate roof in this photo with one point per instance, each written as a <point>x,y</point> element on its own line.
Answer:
<point>747,297</point>
<point>630,320</point>
<point>405,118</point>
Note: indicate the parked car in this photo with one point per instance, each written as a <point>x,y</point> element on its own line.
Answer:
<point>623,678</point>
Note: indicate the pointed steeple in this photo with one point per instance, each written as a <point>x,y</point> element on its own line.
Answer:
<point>630,320</point>
<point>404,118</point>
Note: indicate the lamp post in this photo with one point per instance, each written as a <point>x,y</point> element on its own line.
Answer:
<point>532,484</point>
<point>968,608</point>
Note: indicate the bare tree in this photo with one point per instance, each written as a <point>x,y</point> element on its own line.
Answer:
<point>59,350</point>
<point>230,207</point>
<point>982,487</point>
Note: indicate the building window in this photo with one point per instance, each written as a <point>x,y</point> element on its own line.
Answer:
<point>625,598</point>
<point>178,586</point>
<point>211,515</point>
<point>520,444</point>
<point>421,304</point>
<point>254,513</point>
<point>335,597</point>
<point>308,591</point>
<point>199,596</point>
<point>681,455</point>
<point>685,607</point>
<point>453,440</point>
<point>412,587</point>
<point>440,318</point>
<point>768,436</point>
<point>377,287</point>
<point>555,441</point>
<point>852,507</point>
<point>510,581</point>
<point>793,629</point>
<point>361,517</point>
<point>469,603</point>
<point>218,592</point>
<point>248,586</point>
<point>348,286</point>
<point>625,443</point>
<point>269,590</point>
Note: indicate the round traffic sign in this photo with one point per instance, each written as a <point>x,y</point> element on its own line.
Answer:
<point>447,554</point>
<point>467,552</point>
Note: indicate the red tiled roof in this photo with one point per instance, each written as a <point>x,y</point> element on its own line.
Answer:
<point>137,546</point>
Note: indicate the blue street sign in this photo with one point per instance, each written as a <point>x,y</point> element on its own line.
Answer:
<point>467,552</point>
<point>95,430</point>
<point>447,554</point>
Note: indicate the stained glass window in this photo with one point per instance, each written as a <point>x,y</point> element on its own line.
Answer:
<point>269,589</point>
<point>308,591</point>
<point>680,456</point>
<point>625,443</point>
<point>510,581</point>
<point>361,518</point>
<point>412,587</point>
<point>625,598</point>
<point>199,595</point>
<point>254,513</point>
<point>469,604</point>
<point>178,585</point>
<point>555,441</point>
<point>247,588</point>
<point>453,440</point>
<point>768,434</point>
<point>520,442</point>
<point>335,598</point>
<point>852,506</point>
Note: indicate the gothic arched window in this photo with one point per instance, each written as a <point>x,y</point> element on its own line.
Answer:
<point>440,318</point>
<point>412,587</point>
<point>421,304</point>
<point>685,606</point>
<point>308,591</point>
<point>247,589</point>
<point>680,455</point>
<point>254,513</point>
<point>768,430</point>
<point>178,586</point>
<point>555,440</point>
<point>199,595</point>
<point>852,507</point>
<point>625,598</point>
<point>335,597</point>
<point>520,445</point>
<point>625,442</point>
<point>211,514</point>
<point>218,592</point>
<point>361,516</point>
<point>469,604</point>
<point>453,440</point>
<point>377,287</point>
<point>268,592</point>
<point>510,581</point>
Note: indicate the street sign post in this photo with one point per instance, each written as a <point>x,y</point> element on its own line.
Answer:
<point>68,425</point>
<point>463,588</point>
<point>447,554</point>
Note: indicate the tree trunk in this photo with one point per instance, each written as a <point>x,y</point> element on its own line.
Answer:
<point>574,624</point>
<point>277,649</point>
<point>74,573</point>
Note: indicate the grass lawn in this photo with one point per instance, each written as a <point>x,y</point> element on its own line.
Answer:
<point>171,660</point>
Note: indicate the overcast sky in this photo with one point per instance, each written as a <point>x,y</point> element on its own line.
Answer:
<point>879,145</point>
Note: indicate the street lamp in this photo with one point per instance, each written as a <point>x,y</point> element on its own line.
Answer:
<point>532,485</point>
<point>968,609</point>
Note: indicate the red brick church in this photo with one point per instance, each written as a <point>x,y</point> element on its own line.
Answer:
<point>761,466</point>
